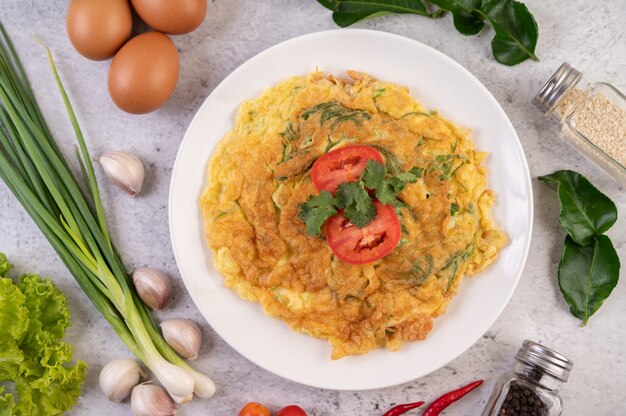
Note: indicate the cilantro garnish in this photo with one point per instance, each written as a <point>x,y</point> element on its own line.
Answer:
<point>358,206</point>
<point>355,198</point>
<point>316,210</point>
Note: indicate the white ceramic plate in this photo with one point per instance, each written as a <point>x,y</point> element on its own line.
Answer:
<point>436,81</point>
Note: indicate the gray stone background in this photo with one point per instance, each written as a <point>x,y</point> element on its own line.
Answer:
<point>589,35</point>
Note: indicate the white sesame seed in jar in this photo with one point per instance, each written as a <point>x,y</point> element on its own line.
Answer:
<point>592,118</point>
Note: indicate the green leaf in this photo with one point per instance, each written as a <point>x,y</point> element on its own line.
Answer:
<point>409,177</point>
<point>516,31</point>
<point>587,275</point>
<point>329,4</point>
<point>7,403</point>
<point>515,27</point>
<point>5,266</point>
<point>418,172</point>
<point>466,14</point>
<point>347,12</point>
<point>585,211</point>
<point>388,191</point>
<point>11,358</point>
<point>374,174</point>
<point>47,306</point>
<point>53,393</point>
<point>357,204</point>
<point>33,319</point>
<point>13,314</point>
<point>316,210</point>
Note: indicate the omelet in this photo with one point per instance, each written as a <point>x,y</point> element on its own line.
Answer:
<point>259,174</point>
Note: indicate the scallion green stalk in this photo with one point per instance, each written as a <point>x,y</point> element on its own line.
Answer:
<point>35,170</point>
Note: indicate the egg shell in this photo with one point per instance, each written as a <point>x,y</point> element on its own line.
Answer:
<point>175,17</point>
<point>143,73</point>
<point>96,28</point>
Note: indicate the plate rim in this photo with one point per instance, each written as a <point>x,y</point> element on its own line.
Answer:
<point>369,32</point>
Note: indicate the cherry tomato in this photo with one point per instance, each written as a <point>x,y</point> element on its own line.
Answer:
<point>364,245</point>
<point>291,410</point>
<point>254,409</point>
<point>342,165</point>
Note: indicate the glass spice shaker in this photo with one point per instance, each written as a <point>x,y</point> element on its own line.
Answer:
<point>592,118</point>
<point>531,389</point>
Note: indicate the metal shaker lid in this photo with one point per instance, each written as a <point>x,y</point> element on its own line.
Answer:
<point>547,359</point>
<point>554,90</point>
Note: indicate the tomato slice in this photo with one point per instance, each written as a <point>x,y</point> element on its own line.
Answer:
<point>355,245</point>
<point>342,165</point>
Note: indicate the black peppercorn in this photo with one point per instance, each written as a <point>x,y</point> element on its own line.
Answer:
<point>522,401</point>
<point>531,388</point>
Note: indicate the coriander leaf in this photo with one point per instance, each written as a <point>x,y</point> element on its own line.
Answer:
<point>516,31</point>
<point>585,211</point>
<point>587,275</point>
<point>347,12</point>
<point>357,204</point>
<point>409,177</point>
<point>418,172</point>
<point>316,210</point>
<point>465,14</point>
<point>387,192</point>
<point>374,174</point>
<point>329,4</point>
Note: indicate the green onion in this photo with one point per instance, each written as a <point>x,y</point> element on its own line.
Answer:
<point>35,170</point>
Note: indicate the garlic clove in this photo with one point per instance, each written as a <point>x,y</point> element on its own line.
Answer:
<point>182,399</point>
<point>183,336</point>
<point>125,170</point>
<point>118,377</point>
<point>151,400</point>
<point>153,287</point>
<point>203,386</point>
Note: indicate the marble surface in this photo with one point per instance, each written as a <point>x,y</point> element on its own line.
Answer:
<point>589,35</point>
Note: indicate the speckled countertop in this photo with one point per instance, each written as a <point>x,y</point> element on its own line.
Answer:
<point>589,35</point>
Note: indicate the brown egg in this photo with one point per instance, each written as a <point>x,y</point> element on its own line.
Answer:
<point>143,73</point>
<point>97,28</point>
<point>171,16</point>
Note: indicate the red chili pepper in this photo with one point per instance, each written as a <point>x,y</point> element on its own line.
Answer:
<point>440,404</point>
<point>402,408</point>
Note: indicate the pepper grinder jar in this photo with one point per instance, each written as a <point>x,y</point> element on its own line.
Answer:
<point>532,388</point>
<point>591,116</point>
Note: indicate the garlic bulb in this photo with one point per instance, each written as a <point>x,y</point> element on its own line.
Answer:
<point>183,336</point>
<point>153,287</point>
<point>151,400</point>
<point>118,377</point>
<point>124,170</point>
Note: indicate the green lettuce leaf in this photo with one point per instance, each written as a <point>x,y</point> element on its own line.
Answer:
<point>5,266</point>
<point>7,404</point>
<point>33,357</point>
